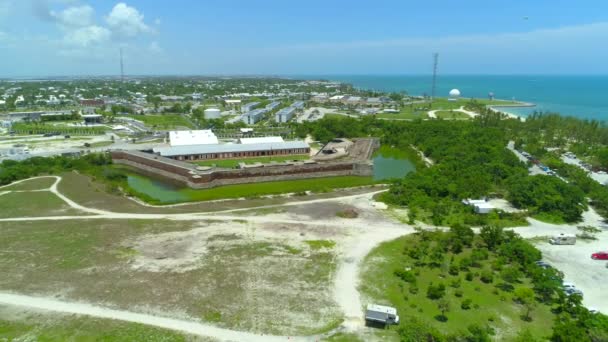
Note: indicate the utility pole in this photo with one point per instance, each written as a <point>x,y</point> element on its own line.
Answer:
<point>435,62</point>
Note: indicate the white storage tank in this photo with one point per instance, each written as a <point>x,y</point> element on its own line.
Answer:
<point>212,113</point>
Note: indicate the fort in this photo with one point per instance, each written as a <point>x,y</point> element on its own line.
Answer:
<point>352,159</point>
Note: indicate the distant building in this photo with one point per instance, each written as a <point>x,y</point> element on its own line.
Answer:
<point>252,117</point>
<point>212,113</point>
<point>285,114</point>
<point>92,103</point>
<point>92,118</point>
<point>249,106</point>
<point>260,140</point>
<point>185,138</point>
<point>273,105</point>
<point>231,151</point>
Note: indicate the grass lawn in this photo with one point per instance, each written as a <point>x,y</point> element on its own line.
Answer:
<point>548,218</point>
<point>32,184</point>
<point>22,325</point>
<point>163,121</point>
<point>94,194</point>
<point>443,103</point>
<point>144,185</point>
<point>406,113</point>
<point>235,275</point>
<point>446,114</point>
<point>490,305</point>
<point>232,163</point>
<point>31,204</point>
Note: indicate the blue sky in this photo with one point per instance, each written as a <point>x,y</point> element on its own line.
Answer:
<point>83,37</point>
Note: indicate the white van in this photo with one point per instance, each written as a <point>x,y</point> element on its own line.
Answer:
<point>563,239</point>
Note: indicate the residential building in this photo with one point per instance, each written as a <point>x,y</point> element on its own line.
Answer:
<point>249,106</point>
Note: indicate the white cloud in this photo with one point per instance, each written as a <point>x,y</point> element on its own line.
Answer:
<point>126,21</point>
<point>87,36</point>
<point>75,16</point>
<point>154,47</point>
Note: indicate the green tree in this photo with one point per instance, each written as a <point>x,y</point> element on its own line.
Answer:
<point>525,297</point>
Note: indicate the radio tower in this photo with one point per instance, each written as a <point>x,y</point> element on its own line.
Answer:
<point>122,76</point>
<point>122,68</point>
<point>435,62</point>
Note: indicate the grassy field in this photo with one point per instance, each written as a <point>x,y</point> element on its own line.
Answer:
<point>235,275</point>
<point>18,325</point>
<point>143,185</point>
<point>39,128</point>
<point>406,113</point>
<point>490,305</point>
<point>227,163</point>
<point>450,115</point>
<point>165,121</point>
<point>31,204</point>
<point>32,184</point>
<point>90,193</point>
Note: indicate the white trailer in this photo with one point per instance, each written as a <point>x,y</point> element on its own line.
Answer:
<point>563,239</point>
<point>381,314</point>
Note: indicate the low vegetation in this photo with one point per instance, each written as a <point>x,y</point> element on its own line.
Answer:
<point>164,121</point>
<point>458,286</point>
<point>28,326</point>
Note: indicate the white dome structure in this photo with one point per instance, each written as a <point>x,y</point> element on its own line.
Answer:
<point>454,94</point>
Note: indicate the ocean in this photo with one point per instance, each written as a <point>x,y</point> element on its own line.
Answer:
<point>581,96</point>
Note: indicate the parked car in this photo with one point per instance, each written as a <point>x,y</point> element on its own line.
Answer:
<point>600,256</point>
<point>542,264</point>
<point>574,291</point>
<point>568,285</point>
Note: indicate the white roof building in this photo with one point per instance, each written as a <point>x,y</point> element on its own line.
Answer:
<point>185,138</point>
<point>260,140</point>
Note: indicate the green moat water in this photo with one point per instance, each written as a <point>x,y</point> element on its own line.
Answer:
<point>390,163</point>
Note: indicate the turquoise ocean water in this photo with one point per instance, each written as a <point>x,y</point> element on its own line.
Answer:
<point>580,96</point>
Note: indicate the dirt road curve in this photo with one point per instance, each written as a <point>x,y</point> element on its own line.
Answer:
<point>162,322</point>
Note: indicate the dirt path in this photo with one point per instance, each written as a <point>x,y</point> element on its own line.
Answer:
<point>347,278</point>
<point>127,316</point>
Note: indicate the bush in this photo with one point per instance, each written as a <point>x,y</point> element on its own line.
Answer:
<point>487,276</point>
<point>414,289</point>
<point>466,304</point>
<point>435,291</point>
<point>458,293</point>
<point>469,276</point>
<point>406,276</point>
<point>453,270</point>
<point>455,283</point>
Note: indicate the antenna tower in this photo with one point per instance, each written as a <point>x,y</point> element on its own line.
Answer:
<point>435,62</point>
<point>122,68</point>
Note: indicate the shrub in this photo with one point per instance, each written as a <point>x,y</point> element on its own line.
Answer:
<point>466,304</point>
<point>487,276</point>
<point>469,276</point>
<point>458,293</point>
<point>435,291</point>
<point>406,276</point>
<point>455,283</point>
<point>414,289</point>
<point>453,270</point>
